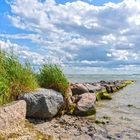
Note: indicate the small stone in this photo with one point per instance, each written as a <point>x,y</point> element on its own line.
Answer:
<point>66,127</point>
<point>55,125</point>
<point>77,133</point>
<point>109,137</point>
<point>84,129</point>
<point>62,121</point>
<point>125,118</point>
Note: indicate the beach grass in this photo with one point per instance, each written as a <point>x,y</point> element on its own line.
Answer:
<point>15,78</point>
<point>51,76</point>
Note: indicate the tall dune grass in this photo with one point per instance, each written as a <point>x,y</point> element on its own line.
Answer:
<point>51,76</point>
<point>15,78</point>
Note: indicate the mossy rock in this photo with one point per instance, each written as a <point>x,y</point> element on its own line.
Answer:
<point>98,96</point>
<point>103,96</point>
<point>97,121</point>
<point>85,113</point>
<point>104,91</point>
<point>90,112</point>
<point>125,83</point>
<point>71,108</point>
<point>128,82</point>
<point>106,96</point>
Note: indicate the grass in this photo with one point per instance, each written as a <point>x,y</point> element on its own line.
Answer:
<point>51,76</point>
<point>15,78</point>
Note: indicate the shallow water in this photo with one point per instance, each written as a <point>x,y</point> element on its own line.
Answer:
<point>123,111</point>
<point>98,77</point>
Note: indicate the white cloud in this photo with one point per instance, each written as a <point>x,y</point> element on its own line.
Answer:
<point>79,31</point>
<point>22,51</point>
<point>123,55</point>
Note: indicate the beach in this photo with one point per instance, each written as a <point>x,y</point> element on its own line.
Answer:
<point>116,119</point>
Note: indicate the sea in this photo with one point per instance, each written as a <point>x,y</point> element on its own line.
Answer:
<point>81,78</point>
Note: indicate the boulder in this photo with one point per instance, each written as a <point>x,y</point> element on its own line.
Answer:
<point>78,89</point>
<point>12,117</point>
<point>93,88</point>
<point>43,103</point>
<point>85,105</point>
<point>110,86</point>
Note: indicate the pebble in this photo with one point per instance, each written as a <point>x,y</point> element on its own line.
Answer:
<point>84,129</point>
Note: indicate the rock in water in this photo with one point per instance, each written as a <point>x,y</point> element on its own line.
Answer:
<point>85,105</point>
<point>43,103</point>
<point>93,88</point>
<point>78,89</point>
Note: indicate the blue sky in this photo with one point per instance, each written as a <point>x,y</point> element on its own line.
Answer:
<point>87,36</point>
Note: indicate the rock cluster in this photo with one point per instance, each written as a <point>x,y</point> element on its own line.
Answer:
<point>67,128</point>
<point>102,86</point>
<point>84,95</point>
<point>46,103</point>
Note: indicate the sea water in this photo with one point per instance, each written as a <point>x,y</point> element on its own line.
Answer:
<point>98,77</point>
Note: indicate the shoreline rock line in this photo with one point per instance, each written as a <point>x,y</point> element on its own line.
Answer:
<point>98,90</point>
<point>80,100</point>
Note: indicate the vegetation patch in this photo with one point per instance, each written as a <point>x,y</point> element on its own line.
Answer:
<point>71,108</point>
<point>15,78</point>
<point>51,76</point>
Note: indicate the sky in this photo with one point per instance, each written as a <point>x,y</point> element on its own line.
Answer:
<point>83,36</point>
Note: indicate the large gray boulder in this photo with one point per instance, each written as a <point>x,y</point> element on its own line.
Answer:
<point>85,105</point>
<point>43,103</point>
<point>12,117</point>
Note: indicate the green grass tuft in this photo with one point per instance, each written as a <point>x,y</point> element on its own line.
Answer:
<point>15,78</point>
<point>51,76</point>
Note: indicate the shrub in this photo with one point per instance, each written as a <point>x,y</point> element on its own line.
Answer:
<point>51,76</point>
<point>15,78</point>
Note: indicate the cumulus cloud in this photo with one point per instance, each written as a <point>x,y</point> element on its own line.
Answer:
<point>22,51</point>
<point>80,33</point>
